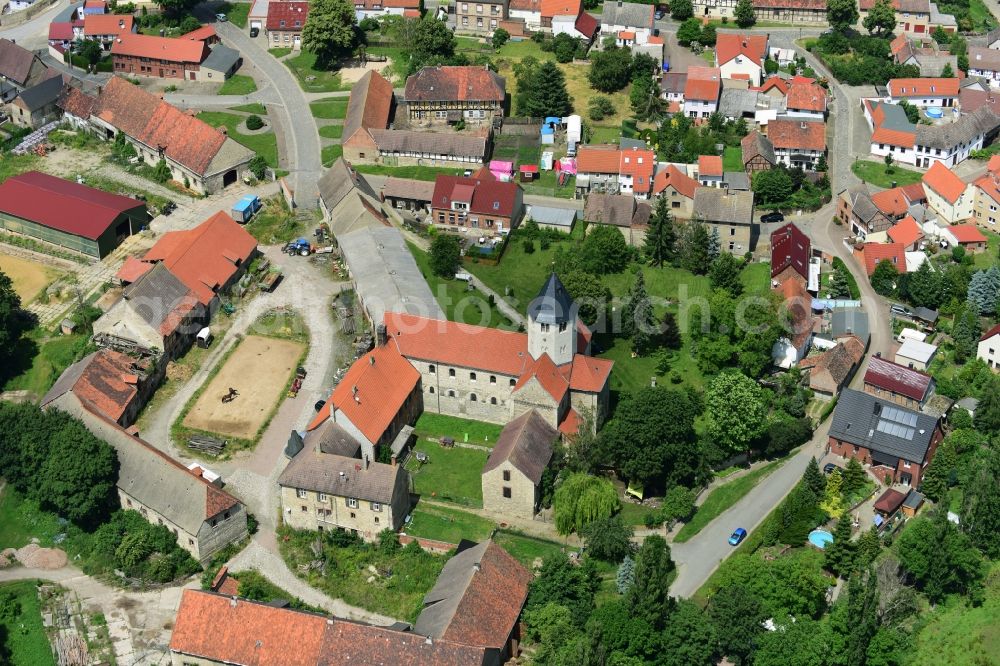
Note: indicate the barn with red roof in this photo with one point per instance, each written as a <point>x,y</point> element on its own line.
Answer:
<point>67,214</point>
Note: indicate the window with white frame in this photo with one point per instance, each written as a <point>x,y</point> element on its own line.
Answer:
<point>352,502</point>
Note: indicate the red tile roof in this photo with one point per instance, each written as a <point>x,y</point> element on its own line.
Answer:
<point>790,248</point>
<point>485,196</point>
<point>61,30</point>
<point>133,269</point>
<point>549,378</point>
<point>609,159</point>
<point>103,383</point>
<point>897,378</point>
<point>589,374</point>
<point>710,165</point>
<point>62,204</point>
<point>674,177</point>
<point>798,303</point>
<point>906,232</point>
<point>455,83</point>
<point>791,134</point>
<point>875,253</point>
<point>892,202</point>
<point>201,34</point>
<point>148,119</point>
<point>160,48</point>
<point>967,233</point>
<point>703,84</point>
<point>989,186</point>
<point>570,425</point>
<point>929,87</point>
<point>293,14</point>
<point>586,24</point>
<point>894,137</point>
<point>205,258</point>
<point>781,84</point>
<point>943,180</point>
<point>107,24</point>
<point>806,96</point>
<point>561,7</point>
<point>729,45</point>
<point>990,333</point>
<point>889,501</point>
<point>626,34</point>
<point>373,392</point>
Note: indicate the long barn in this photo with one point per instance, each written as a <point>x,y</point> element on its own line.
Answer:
<point>67,214</point>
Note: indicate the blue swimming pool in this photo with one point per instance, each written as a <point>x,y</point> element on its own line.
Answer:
<point>934,112</point>
<point>820,538</point>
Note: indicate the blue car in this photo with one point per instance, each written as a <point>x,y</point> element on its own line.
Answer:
<point>737,536</point>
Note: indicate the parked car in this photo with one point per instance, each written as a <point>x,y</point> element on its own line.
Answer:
<point>772,217</point>
<point>221,17</point>
<point>737,536</point>
<point>900,310</point>
<point>659,15</point>
<point>319,405</point>
<point>254,31</point>
<point>168,208</point>
<point>829,467</point>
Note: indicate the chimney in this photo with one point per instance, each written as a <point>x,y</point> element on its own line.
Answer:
<point>381,334</point>
<point>393,460</point>
<point>232,602</point>
<point>477,566</point>
<point>371,359</point>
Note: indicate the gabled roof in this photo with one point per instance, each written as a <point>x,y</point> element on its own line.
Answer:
<point>477,598</point>
<point>876,253</point>
<point>16,62</point>
<point>881,426</point>
<point>898,378</point>
<point>673,177</point>
<point>588,373</point>
<point>107,24</point>
<point>339,181</point>
<point>222,629</point>
<point>710,165</point>
<point>673,82</point>
<point>944,182</point>
<point>833,367</point>
<point>206,257</point>
<point>729,45</point>
<point>61,30</point>
<point>160,299</point>
<point>484,196</point>
<point>75,102</point>
<point>62,204</point>
<point>797,134</point>
<point>553,303</point>
<point>372,392</point>
<point>455,83</point>
<point>133,269</point>
<point>293,14</point>
<point>906,232</point>
<point>618,210</point>
<point>464,145</point>
<point>713,204</point>
<point>561,8</point>
<point>703,83</point>
<point>983,58</point>
<point>776,82</point>
<point>893,202</point>
<point>200,34</point>
<point>790,248</point>
<point>630,14</point>
<point>933,87</point>
<point>634,162</point>
<point>806,96</point>
<point>586,25</point>
<point>966,129</point>
<point>342,476</point>
<point>548,376</point>
<point>755,144</point>
<point>967,233</point>
<point>525,442</point>
<point>370,105</point>
<point>889,501</point>
<point>161,48</point>
<point>105,381</point>
<point>990,333</point>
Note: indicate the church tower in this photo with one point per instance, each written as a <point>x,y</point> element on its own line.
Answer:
<point>552,323</point>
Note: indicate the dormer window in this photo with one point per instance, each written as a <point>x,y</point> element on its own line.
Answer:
<point>496,205</point>
<point>281,24</point>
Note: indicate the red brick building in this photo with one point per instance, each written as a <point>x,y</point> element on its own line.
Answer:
<point>161,57</point>
<point>481,202</point>
<point>897,442</point>
<point>285,21</point>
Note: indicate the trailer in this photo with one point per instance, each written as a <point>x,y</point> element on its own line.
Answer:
<point>246,208</point>
<point>270,280</point>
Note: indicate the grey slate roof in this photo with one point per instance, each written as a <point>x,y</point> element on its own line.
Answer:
<point>737,102</point>
<point>932,65</point>
<point>408,188</point>
<point>882,427</point>
<point>673,82</point>
<point>614,209</point>
<point>157,294</point>
<point>925,314</point>
<point>755,144</point>
<point>443,599</point>
<point>984,58</point>
<point>331,438</point>
<point>339,181</point>
<point>15,62</point>
<point>861,202</point>
<point>852,321</point>
<point>553,303</point>
<point>221,58</point>
<point>526,442</point>
<point>42,94</point>
<point>629,14</point>
<point>625,143</point>
<point>339,475</point>
<point>550,215</point>
<point>736,180</point>
<point>716,205</point>
<point>964,130</point>
<point>432,143</point>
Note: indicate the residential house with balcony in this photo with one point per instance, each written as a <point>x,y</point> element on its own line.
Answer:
<point>797,142</point>
<point>610,170</point>
<point>449,94</point>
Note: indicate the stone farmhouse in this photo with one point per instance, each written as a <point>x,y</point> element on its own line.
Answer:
<point>513,473</point>
<point>495,376</point>
<point>446,95</point>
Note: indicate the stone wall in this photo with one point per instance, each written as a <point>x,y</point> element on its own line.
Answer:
<point>523,493</point>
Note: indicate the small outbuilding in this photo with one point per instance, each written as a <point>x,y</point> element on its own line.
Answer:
<point>513,473</point>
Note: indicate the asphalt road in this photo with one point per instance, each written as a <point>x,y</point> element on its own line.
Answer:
<point>34,33</point>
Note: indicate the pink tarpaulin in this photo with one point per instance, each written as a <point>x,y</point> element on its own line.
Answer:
<point>503,171</point>
<point>567,164</point>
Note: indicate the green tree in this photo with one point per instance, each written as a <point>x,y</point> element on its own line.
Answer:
<point>785,434</point>
<point>78,477</point>
<point>842,14</point>
<point>331,30</point>
<point>926,286</point>
<point>610,70</point>
<point>649,597</point>
<point>854,477</point>
<point>881,18</point>
<point>839,285</point>
<point>625,576</point>
<point>176,7</point>
<point>644,97</point>
<point>966,332</point>
<point>565,47</point>
<point>912,112</point>
<point>744,14</point>
<point>801,643</point>
<point>600,107</point>
<point>937,478</point>
<point>737,411</point>
<point>670,332</point>
<point>445,254</point>
<point>939,557</point>
<point>693,251</point>
<point>604,250</point>
<point>90,50</point>
<point>689,31</point>
<point>987,419</point>
<point>884,278</point>
<point>839,556</point>
<point>869,546</point>
<point>161,172</point>
<point>608,539</point>
<point>258,167</point>
<point>561,582</point>
<point>833,496</point>
<point>725,273</point>
<point>582,499</point>
<point>652,437</point>
<point>714,244</point>
<point>678,504</point>
<point>638,321</point>
<point>681,10</point>
<point>690,639</point>
<point>547,94</point>
<point>983,290</point>
<point>589,294</point>
<point>981,503</point>
<point>947,72</point>
<point>773,186</point>
<point>14,321</point>
<point>814,478</point>
<point>500,37</point>
<point>737,615</point>
<point>661,237</point>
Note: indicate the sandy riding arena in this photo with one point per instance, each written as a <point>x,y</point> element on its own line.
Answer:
<point>259,370</point>
<point>29,277</point>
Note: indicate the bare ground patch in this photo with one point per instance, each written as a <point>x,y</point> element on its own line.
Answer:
<point>29,277</point>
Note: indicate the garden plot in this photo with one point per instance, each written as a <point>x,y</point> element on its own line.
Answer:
<point>29,277</point>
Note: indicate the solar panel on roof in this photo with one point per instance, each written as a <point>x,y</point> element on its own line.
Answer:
<point>899,416</point>
<point>894,429</point>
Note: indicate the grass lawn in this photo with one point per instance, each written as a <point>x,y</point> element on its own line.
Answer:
<point>329,154</point>
<point>757,277</point>
<point>732,159</point>
<point>986,259</point>
<point>275,223</point>
<point>263,590</point>
<point>958,634</point>
<point>875,174</point>
<point>25,635</point>
<point>312,79</point>
<point>635,514</point>
<point>236,13</point>
<point>331,131</point>
<point>279,52</point>
<point>254,107</point>
<point>39,360</point>
<point>238,84</point>
<point>602,134</point>
<point>431,521</point>
<point>435,426</point>
<point>331,107</point>
<point>526,549</point>
<point>451,475</point>
<point>720,499</point>
<point>982,18</point>
<point>454,298</point>
<point>548,186</point>
<point>415,172</point>
<point>21,519</point>
<point>265,145</point>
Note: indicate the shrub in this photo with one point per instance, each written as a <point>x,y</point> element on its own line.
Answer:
<point>254,122</point>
